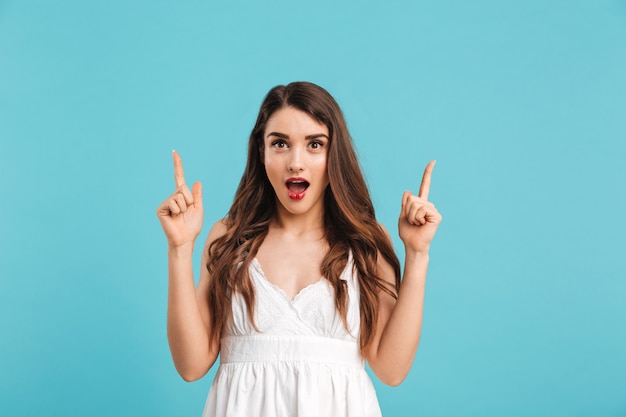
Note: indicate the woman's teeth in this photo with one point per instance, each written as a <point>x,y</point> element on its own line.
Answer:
<point>297,187</point>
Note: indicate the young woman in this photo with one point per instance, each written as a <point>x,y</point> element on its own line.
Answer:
<point>299,283</point>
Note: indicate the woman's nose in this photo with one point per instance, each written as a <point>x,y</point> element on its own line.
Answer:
<point>295,162</point>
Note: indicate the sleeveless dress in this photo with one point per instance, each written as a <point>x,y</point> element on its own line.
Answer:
<point>303,363</point>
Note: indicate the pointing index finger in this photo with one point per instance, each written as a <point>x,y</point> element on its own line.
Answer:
<point>179,175</point>
<point>425,186</point>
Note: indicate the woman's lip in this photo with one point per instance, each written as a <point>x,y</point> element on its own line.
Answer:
<point>300,195</point>
<point>296,179</point>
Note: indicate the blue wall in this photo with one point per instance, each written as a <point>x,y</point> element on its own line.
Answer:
<point>522,104</point>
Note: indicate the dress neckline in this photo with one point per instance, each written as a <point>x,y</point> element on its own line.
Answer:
<point>281,291</point>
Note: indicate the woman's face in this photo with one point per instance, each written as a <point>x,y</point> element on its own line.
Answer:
<point>295,154</point>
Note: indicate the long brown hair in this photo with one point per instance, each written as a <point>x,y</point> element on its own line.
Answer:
<point>349,220</point>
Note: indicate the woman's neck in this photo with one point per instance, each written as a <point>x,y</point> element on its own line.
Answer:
<point>299,224</point>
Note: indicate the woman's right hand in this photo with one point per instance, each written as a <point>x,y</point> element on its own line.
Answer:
<point>181,213</point>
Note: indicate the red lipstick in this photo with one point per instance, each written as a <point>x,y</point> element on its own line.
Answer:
<point>296,187</point>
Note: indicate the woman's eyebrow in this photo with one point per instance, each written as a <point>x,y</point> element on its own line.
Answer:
<point>308,137</point>
<point>315,136</point>
<point>280,135</point>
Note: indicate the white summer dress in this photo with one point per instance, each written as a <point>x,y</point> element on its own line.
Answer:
<point>303,363</point>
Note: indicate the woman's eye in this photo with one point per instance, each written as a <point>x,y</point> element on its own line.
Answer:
<point>316,145</point>
<point>280,144</point>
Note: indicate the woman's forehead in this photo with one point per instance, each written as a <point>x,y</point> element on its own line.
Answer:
<point>290,121</point>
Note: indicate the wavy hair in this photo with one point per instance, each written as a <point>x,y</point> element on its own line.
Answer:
<point>349,219</point>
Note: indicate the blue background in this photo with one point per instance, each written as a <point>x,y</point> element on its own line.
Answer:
<point>521,102</point>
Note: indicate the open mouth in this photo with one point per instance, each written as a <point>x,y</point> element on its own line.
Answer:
<point>297,188</point>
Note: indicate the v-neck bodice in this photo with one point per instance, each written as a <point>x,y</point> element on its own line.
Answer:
<point>311,312</point>
<point>257,265</point>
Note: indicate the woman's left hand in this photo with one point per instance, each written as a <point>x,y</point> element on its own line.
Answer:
<point>419,218</point>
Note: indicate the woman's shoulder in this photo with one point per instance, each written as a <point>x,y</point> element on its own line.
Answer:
<point>218,230</point>
<point>384,229</point>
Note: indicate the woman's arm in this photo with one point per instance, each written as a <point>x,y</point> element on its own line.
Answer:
<point>400,321</point>
<point>188,316</point>
<point>188,330</point>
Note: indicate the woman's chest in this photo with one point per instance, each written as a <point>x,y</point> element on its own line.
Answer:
<point>311,312</point>
<point>291,266</point>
